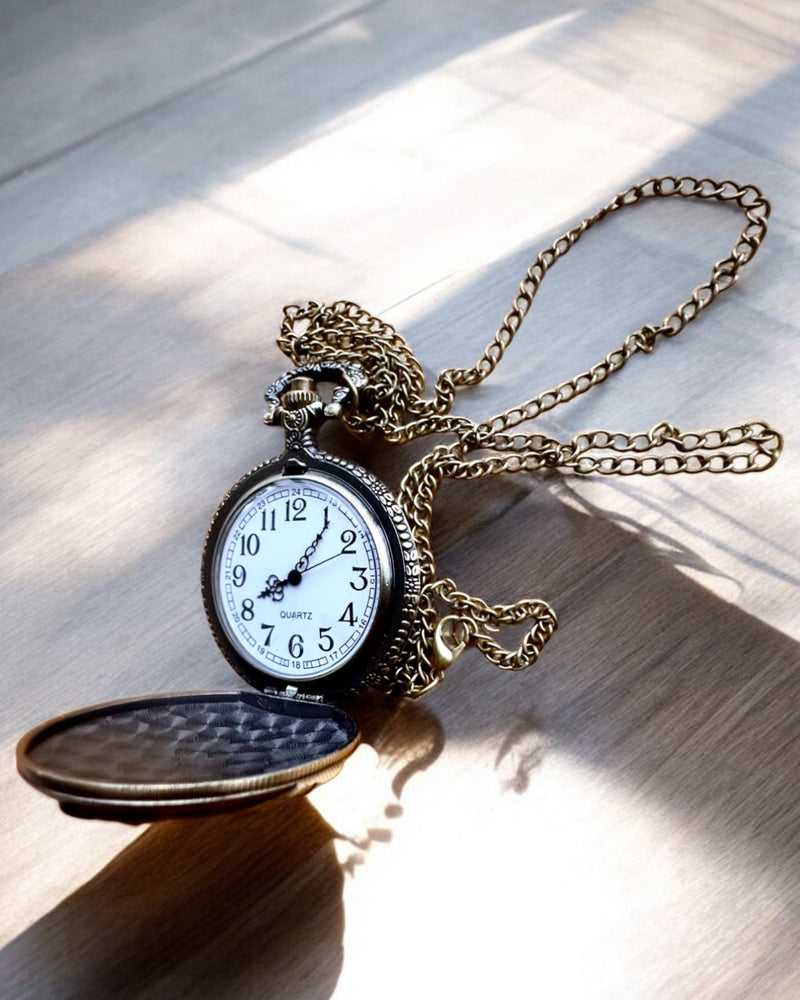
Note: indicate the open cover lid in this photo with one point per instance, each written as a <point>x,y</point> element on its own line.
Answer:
<point>180,754</point>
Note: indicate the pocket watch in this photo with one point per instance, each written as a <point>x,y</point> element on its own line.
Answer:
<point>310,574</point>
<point>317,581</point>
<point>310,581</point>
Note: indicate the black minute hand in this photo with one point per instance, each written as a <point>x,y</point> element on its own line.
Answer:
<point>302,563</point>
<point>274,587</point>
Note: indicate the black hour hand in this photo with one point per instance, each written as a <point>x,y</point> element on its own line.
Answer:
<point>274,588</point>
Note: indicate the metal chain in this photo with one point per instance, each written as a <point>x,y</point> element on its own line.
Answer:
<point>393,405</point>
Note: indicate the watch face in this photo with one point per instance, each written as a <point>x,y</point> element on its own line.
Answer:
<point>300,576</point>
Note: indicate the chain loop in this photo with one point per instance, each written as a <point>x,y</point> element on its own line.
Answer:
<point>392,403</point>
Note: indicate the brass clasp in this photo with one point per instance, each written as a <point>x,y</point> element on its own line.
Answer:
<point>450,639</point>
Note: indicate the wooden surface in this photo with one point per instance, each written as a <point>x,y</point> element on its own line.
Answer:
<point>622,823</point>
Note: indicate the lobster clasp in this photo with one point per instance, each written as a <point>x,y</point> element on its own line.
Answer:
<point>450,639</point>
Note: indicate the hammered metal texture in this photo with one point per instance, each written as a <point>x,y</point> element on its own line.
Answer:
<point>190,741</point>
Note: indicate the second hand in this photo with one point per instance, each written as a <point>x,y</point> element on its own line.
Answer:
<point>323,561</point>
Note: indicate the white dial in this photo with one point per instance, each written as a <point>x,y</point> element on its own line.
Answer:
<point>298,575</point>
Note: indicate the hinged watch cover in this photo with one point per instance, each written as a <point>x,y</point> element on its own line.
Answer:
<point>182,754</point>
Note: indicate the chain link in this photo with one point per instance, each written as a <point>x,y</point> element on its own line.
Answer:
<point>393,404</point>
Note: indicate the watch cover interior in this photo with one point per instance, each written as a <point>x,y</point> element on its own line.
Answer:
<point>180,754</point>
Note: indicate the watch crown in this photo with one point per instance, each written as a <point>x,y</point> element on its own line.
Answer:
<point>301,392</point>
